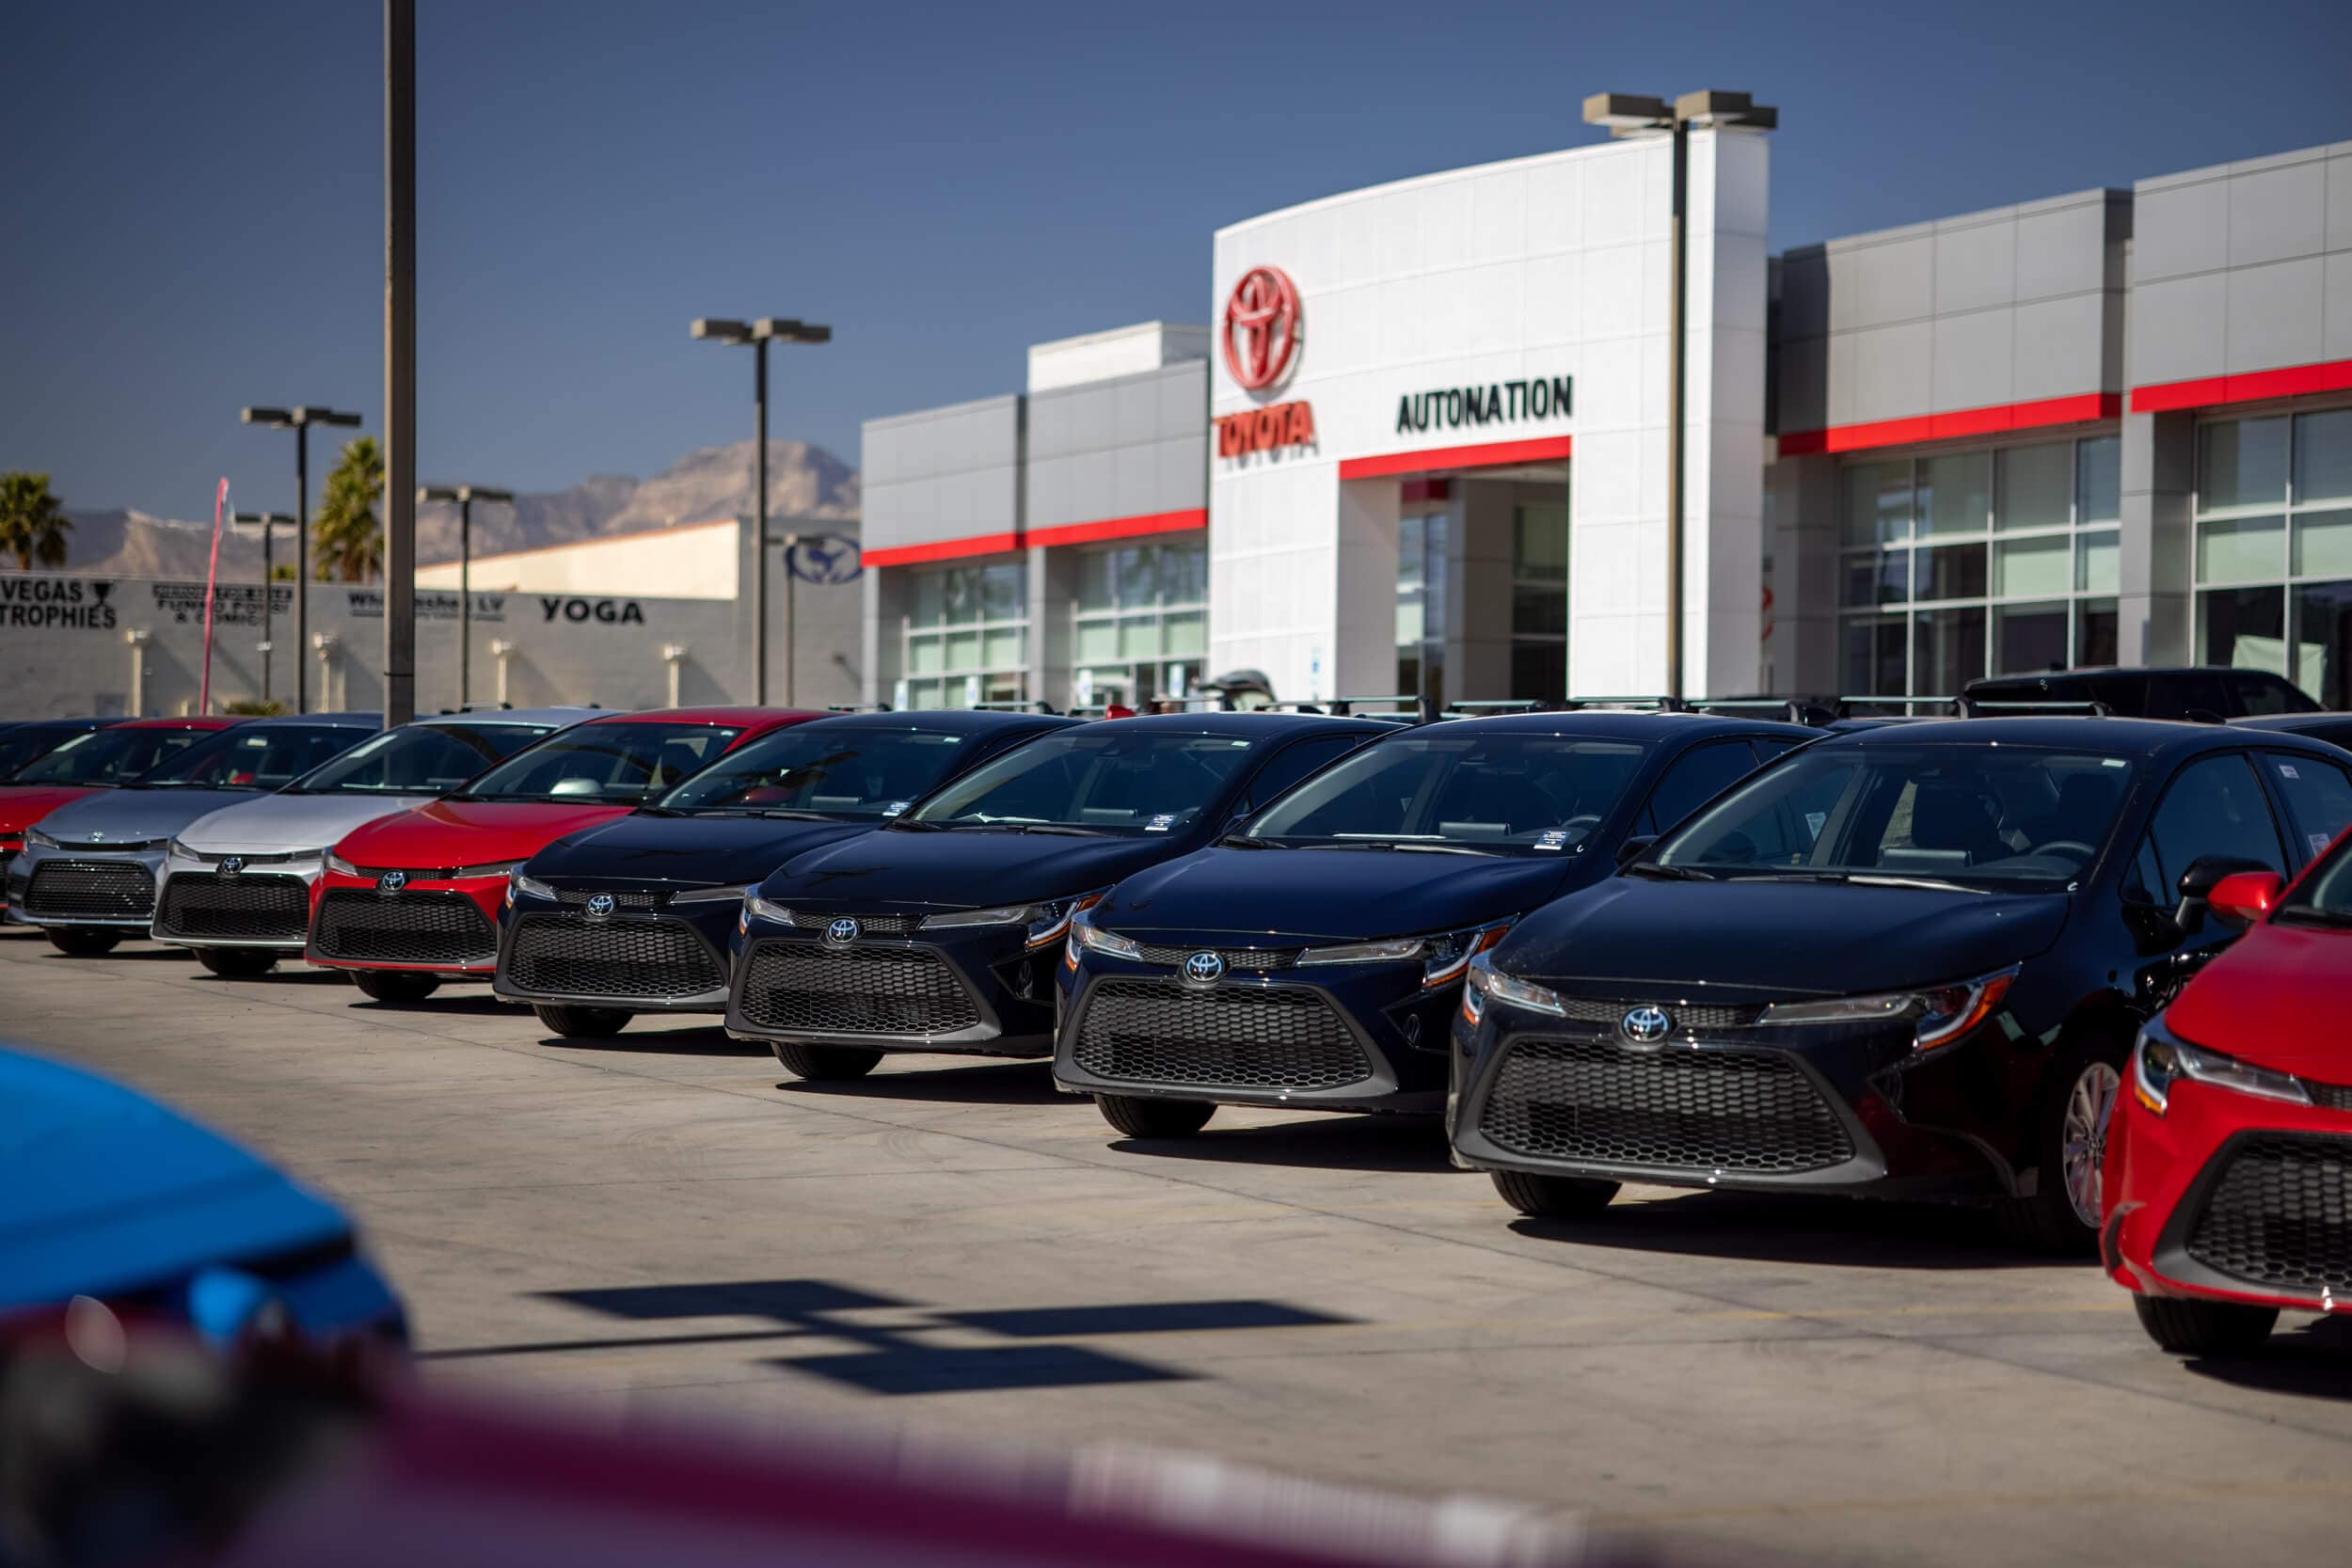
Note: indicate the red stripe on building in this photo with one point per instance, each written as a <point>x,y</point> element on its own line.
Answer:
<point>1495,454</point>
<point>943,549</point>
<point>1991,421</point>
<point>2251,386</point>
<point>1121,527</point>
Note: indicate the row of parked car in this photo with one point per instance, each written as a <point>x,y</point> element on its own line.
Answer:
<point>1607,944</point>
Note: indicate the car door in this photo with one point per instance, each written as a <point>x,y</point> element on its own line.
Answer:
<point>2213,805</point>
<point>1691,780</point>
<point>2316,795</point>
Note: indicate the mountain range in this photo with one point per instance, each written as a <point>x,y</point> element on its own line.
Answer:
<point>803,482</point>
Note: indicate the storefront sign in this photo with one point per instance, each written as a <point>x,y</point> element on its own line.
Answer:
<point>234,604</point>
<point>40,603</point>
<point>625,612</point>
<point>1496,403</point>
<point>1261,327</point>
<point>1284,425</point>
<point>367,604</point>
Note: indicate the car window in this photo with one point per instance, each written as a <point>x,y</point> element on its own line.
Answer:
<point>108,756</point>
<point>1694,778</point>
<point>1499,791</point>
<point>2260,692</point>
<point>2319,798</point>
<point>1769,746</point>
<point>869,771</point>
<point>625,760</point>
<point>262,757</point>
<point>1103,777</point>
<point>1295,763</point>
<point>418,759</point>
<point>2214,806</point>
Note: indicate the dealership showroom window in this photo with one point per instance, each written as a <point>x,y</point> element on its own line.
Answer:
<point>967,638</point>
<point>2274,546</point>
<point>1141,621</point>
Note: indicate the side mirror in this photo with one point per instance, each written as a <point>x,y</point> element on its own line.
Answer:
<point>2243,897</point>
<point>2205,873</point>
<point>1634,849</point>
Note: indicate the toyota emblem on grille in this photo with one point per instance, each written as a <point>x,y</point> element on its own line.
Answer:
<point>1206,969</point>
<point>231,865</point>
<point>391,881</point>
<point>601,904</point>
<point>1646,1025</point>
<point>842,932</point>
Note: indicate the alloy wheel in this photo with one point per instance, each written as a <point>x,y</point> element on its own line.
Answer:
<point>2083,1137</point>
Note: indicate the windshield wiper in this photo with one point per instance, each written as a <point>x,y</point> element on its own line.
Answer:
<point>1062,830</point>
<point>793,814</point>
<point>1443,848</point>
<point>1669,873</point>
<point>1867,879</point>
<point>1251,841</point>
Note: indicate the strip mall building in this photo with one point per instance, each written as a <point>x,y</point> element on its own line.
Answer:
<point>1423,446</point>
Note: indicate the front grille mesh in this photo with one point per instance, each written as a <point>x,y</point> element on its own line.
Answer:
<point>577,896</point>
<point>1579,1009</point>
<point>800,988</point>
<point>1587,1101</point>
<point>90,890</point>
<point>358,925</point>
<point>2330,1097</point>
<point>867,925</point>
<point>2281,1216</point>
<point>1249,959</point>
<point>642,959</point>
<point>1235,1036</point>
<point>242,908</point>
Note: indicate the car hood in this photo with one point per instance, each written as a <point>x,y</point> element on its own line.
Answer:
<point>1757,940</point>
<point>108,1192</point>
<point>130,815</point>
<point>961,869</point>
<point>1345,894</point>
<point>2278,997</point>
<point>277,823</point>
<point>697,852</point>
<point>450,834</point>
<point>22,805</point>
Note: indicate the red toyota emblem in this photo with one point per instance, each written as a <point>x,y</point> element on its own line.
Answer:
<point>1260,327</point>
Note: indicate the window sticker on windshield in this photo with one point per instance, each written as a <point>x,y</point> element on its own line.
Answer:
<point>2319,842</point>
<point>1813,820</point>
<point>896,807</point>
<point>2286,770</point>
<point>1161,823</point>
<point>1552,838</point>
<point>2113,762</point>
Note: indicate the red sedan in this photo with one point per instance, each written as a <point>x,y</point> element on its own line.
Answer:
<point>2228,1181</point>
<point>412,898</point>
<point>99,759</point>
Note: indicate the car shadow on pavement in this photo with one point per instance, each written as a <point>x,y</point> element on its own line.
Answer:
<point>1768,1228</point>
<point>707,1040</point>
<point>143,950</point>
<point>1336,1140</point>
<point>2309,1356</point>
<point>1021,1082</point>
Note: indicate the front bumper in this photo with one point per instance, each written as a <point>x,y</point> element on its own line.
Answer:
<point>648,955</point>
<point>980,991</point>
<point>91,886</point>
<point>431,925</point>
<point>265,903</point>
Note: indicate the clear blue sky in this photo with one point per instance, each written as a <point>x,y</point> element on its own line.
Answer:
<point>195,190</point>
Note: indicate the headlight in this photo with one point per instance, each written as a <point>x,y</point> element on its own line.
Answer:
<point>2162,1059</point>
<point>1446,954</point>
<point>33,835</point>
<point>496,868</point>
<point>710,895</point>
<point>1046,922</point>
<point>1395,950</point>
<point>1006,914</point>
<point>518,883</point>
<point>340,866</point>
<point>1101,940</point>
<point>1490,984</point>
<point>757,907</point>
<point>1938,1014</point>
<point>173,846</point>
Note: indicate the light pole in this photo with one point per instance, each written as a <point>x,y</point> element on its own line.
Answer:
<point>465,496</point>
<point>268,522</point>
<point>1630,115</point>
<point>759,334</point>
<point>299,421</point>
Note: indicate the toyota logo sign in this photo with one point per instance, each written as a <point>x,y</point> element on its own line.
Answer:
<point>1646,1025</point>
<point>1204,969</point>
<point>231,865</point>
<point>1261,327</point>
<point>391,881</point>
<point>601,904</point>
<point>842,932</point>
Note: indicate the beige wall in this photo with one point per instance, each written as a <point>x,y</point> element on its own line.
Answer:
<point>693,562</point>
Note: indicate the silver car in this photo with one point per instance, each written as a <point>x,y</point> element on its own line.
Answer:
<point>88,870</point>
<point>236,882</point>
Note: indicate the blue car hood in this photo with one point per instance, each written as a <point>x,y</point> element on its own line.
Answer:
<point>690,851</point>
<point>128,815</point>
<point>1340,895</point>
<point>958,869</point>
<point>105,1192</point>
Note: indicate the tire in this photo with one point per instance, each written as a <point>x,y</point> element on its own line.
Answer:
<point>238,963</point>
<point>396,986</point>
<point>1140,1117</point>
<point>2062,1219</point>
<point>825,1064</point>
<point>582,1023</point>
<point>1554,1198</point>
<point>2204,1328</point>
<point>83,942</point>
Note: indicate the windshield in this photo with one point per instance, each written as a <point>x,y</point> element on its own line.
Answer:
<point>20,743</point>
<point>622,762</point>
<point>1516,793</point>
<point>418,759</point>
<point>2325,897</point>
<point>1968,813</point>
<point>252,757</point>
<point>1139,782</point>
<point>861,772</point>
<point>108,756</point>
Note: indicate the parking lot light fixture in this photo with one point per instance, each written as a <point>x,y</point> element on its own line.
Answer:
<point>465,496</point>
<point>268,522</point>
<point>299,420</point>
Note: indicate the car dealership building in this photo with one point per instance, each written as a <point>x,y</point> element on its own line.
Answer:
<point>1423,446</point>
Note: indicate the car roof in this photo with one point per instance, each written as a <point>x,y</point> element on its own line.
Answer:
<point>2101,672</point>
<point>186,721</point>
<point>1643,724</point>
<point>2146,738</point>
<point>944,720</point>
<point>755,717</point>
<point>1253,724</point>
<point>558,717</point>
<point>336,721</point>
<point>2294,724</point>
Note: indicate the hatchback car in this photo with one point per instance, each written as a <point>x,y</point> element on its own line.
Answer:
<point>1312,958</point>
<point>635,915</point>
<point>2229,1165</point>
<point>2210,692</point>
<point>87,875</point>
<point>940,932</point>
<point>236,882</point>
<point>1899,962</point>
<point>99,759</point>
<point>411,900</point>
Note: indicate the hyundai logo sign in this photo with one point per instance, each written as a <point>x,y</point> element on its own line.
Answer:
<point>231,865</point>
<point>842,932</point>
<point>1646,1025</point>
<point>601,904</point>
<point>1206,969</point>
<point>391,881</point>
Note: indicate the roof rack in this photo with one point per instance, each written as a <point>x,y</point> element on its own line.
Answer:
<point>1845,705</point>
<point>1975,707</point>
<point>486,706</point>
<point>1401,704</point>
<point>1654,703</point>
<point>857,707</point>
<point>1013,705</point>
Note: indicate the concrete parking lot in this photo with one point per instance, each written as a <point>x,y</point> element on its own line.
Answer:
<point>665,1220</point>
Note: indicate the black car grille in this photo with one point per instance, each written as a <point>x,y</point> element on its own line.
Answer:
<point>800,988</point>
<point>1249,959</point>
<point>240,909</point>
<point>577,896</point>
<point>1588,1100</point>
<point>360,927</point>
<point>90,890</point>
<point>2281,1215</point>
<point>1240,1037</point>
<point>1579,1009</point>
<point>2330,1097</point>
<point>867,925</point>
<point>558,955</point>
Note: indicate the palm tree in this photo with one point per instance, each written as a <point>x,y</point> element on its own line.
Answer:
<point>32,525</point>
<point>347,536</point>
